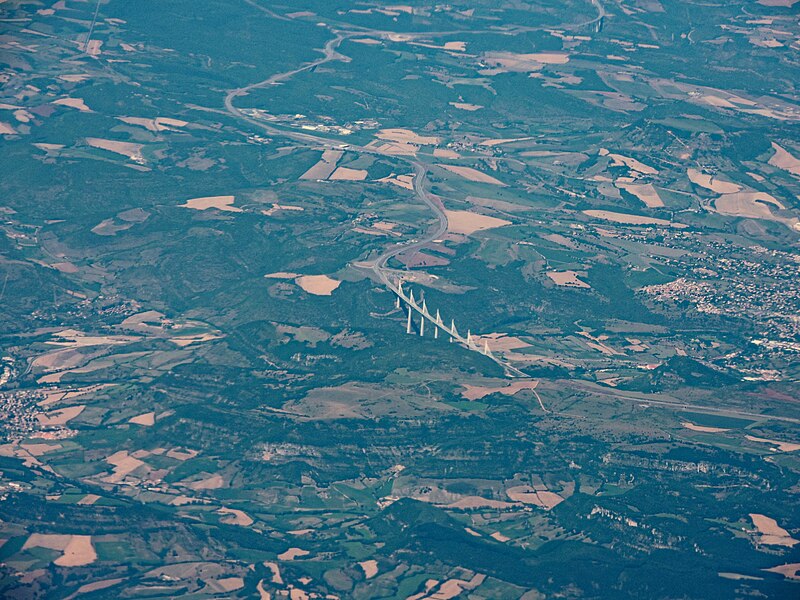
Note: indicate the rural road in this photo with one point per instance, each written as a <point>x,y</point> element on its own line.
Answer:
<point>378,265</point>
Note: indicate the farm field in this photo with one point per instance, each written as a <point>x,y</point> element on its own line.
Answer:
<point>209,387</point>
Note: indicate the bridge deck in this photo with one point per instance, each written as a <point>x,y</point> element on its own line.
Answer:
<point>470,345</point>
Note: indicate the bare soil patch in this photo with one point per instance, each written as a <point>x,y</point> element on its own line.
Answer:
<point>467,222</point>
<point>784,160</point>
<point>644,192</point>
<point>782,446</point>
<point>61,416</point>
<point>567,279</point>
<point>76,103</point>
<point>217,202</point>
<point>476,392</point>
<point>346,174</point>
<point>233,516</point>
<point>471,174</point>
<point>703,429</point>
<point>129,149</point>
<point>319,285</point>
<point>146,419</point>
<point>771,534</point>
<point>325,166</point>
<point>709,182</point>
<point>466,106</point>
<point>370,568</point>
<point>406,136</point>
<point>293,553</point>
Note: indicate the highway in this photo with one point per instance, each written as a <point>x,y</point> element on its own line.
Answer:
<point>378,266</point>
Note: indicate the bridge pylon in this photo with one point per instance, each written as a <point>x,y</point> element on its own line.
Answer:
<point>408,324</point>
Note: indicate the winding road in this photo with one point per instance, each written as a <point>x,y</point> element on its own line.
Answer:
<point>378,266</point>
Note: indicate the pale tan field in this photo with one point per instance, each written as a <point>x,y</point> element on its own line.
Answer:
<point>51,149</point>
<point>93,47</point>
<point>129,149</point>
<point>789,570</point>
<point>406,136</point>
<point>781,3</point>
<point>282,275</point>
<point>370,568</point>
<point>404,181</point>
<point>644,192</point>
<point>772,534</point>
<point>445,153</point>
<point>384,226</point>
<point>89,499</point>
<point>528,495</point>
<point>466,106</point>
<point>75,77</point>
<point>65,267</point>
<point>182,453</point>
<point>618,160</point>
<point>39,449</point>
<point>325,166</point>
<point>94,587</point>
<point>476,502</point>
<point>217,202</point>
<point>508,62</point>
<point>367,41</point>
<point>6,129</point>
<point>394,148</point>
<point>737,576</point>
<point>276,572</point>
<point>223,585</point>
<point>500,537</point>
<point>449,46</point>
<point>710,183</point>
<point>345,174</point>
<point>293,553</point>
<point>784,160</point>
<point>61,416</point>
<point>233,516</point>
<point>79,552</point>
<point>279,207</point>
<point>72,338</point>
<point>155,125</point>
<point>476,392</point>
<point>77,549</point>
<point>702,428</point>
<point>466,222</point>
<point>567,279</point>
<point>319,285</point>
<point>500,141</point>
<point>188,340</point>
<point>146,419</point>
<point>629,219</point>
<point>210,483</point>
<point>123,464</point>
<point>718,102</point>
<point>782,446</point>
<point>471,174</point>
<point>457,46</point>
<point>76,103</point>
<point>452,588</point>
<point>752,205</point>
